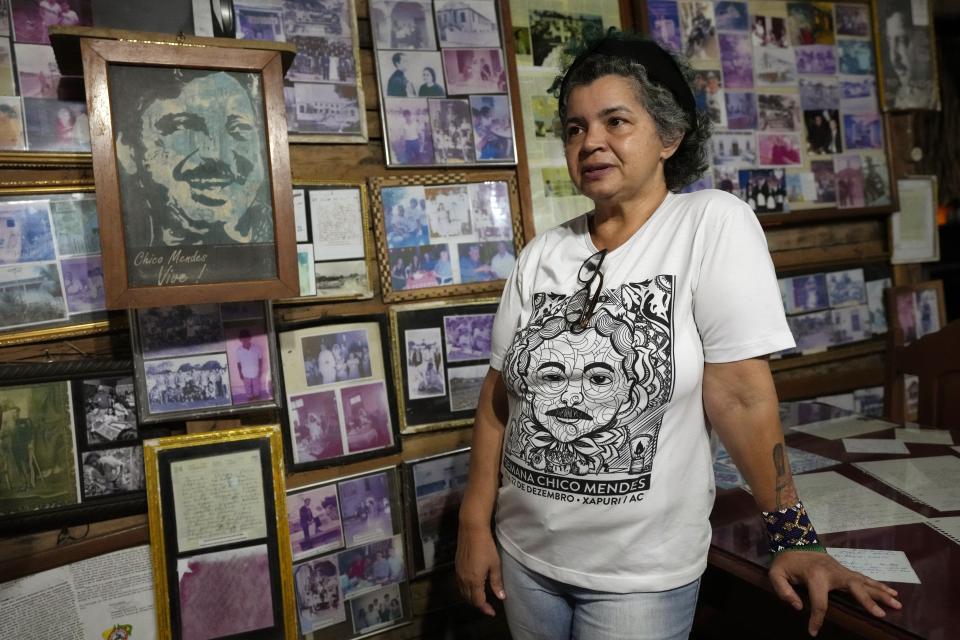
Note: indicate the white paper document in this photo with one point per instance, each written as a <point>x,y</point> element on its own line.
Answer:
<point>879,564</point>
<point>934,481</point>
<point>845,427</point>
<point>957,449</point>
<point>949,527</point>
<point>874,445</point>
<point>924,436</point>
<point>837,503</point>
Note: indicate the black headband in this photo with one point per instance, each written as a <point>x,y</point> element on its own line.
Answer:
<point>660,66</point>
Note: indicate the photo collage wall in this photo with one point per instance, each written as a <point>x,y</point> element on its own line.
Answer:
<point>791,90</point>
<point>444,91</point>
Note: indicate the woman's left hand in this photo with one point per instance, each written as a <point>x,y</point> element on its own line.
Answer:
<point>821,574</point>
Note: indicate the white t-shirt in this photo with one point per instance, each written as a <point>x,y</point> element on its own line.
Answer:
<point>249,360</point>
<point>607,474</point>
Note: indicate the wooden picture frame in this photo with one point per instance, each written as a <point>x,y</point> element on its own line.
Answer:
<point>338,391</point>
<point>72,242</point>
<point>72,429</point>
<point>492,201</point>
<point>200,360</point>
<point>428,360</point>
<point>215,502</point>
<point>182,225</point>
<point>907,70</point>
<point>357,516</point>
<point>433,488</point>
<point>345,278</point>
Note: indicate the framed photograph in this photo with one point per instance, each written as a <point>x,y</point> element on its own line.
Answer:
<point>70,445</point>
<point>434,488</point>
<point>904,36</point>
<point>216,526</point>
<point>917,310</point>
<point>193,192</point>
<point>204,360</point>
<point>444,92</point>
<point>437,238</point>
<point>323,90</point>
<point>340,403</point>
<point>913,228</point>
<point>846,288</point>
<point>441,353</point>
<point>354,577</point>
<point>337,251</point>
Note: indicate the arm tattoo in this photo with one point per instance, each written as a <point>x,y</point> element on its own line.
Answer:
<point>786,493</point>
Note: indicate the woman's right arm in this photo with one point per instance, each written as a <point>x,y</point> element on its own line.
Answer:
<point>477,557</point>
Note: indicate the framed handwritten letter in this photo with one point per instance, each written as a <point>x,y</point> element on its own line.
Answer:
<point>219,535</point>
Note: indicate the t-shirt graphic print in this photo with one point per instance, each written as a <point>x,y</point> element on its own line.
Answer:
<point>591,401</point>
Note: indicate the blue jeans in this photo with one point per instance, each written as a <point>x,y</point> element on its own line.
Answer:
<point>540,608</point>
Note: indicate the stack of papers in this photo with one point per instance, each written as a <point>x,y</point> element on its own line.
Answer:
<point>874,445</point>
<point>933,481</point>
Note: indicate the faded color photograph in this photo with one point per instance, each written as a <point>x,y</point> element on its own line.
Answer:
<point>25,233</point>
<point>850,186</point>
<point>448,211</point>
<point>365,509</point>
<point>474,71</point>
<point>248,354</point>
<point>403,24</point>
<point>663,17</point>
<point>336,357</point>
<point>741,110</point>
<point>76,225</point>
<point>467,337</point>
<point>366,414</point>
<point>12,136</point>
<point>452,132</point>
<point>180,330</point>
<point>56,125</point>
<point>492,128</point>
<point>315,426</point>
<point>424,360</point>
<point>319,601</point>
<point>31,294</point>
<point>846,288</point>
<point>410,137</point>
<point>377,610</point>
<point>313,517</point>
<point>372,566</point>
<point>490,210</point>
<point>699,30</point>
<point>438,485</point>
<point>32,18</point>
<point>38,70</point>
<point>83,284</point>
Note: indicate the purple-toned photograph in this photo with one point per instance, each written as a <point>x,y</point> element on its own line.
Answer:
<point>492,128</point>
<point>818,59</point>
<point>248,354</point>
<point>859,95</point>
<point>366,414</point>
<point>403,24</point>
<point>411,74</point>
<point>474,71</point>
<point>448,211</point>
<point>56,125</point>
<point>313,517</point>
<point>32,18</point>
<point>664,20</point>
<point>467,337</point>
<point>319,601</point>
<point>408,130</point>
<point>25,233</point>
<point>736,59</point>
<point>483,261</point>
<point>741,110</point>
<point>851,324</point>
<point>809,293</point>
<point>38,70</point>
<point>365,509</point>
<point>701,183</point>
<point>812,331</point>
<point>852,20</point>
<point>367,568</point>
<point>765,190</point>
<point>490,210</point>
<point>193,382</point>
<point>336,357</point>
<point>83,284</point>
<point>315,426</point>
<point>819,94</point>
<point>846,288</point>
<point>863,131</point>
<point>732,16</point>
<point>424,361</point>
<point>823,132</point>
<point>779,149</point>
<point>376,610</point>
<point>769,31</point>
<point>452,129</point>
<point>255,23</point>
<point>182,330</point>
<point>849,174</point>
<point>420,267</point>
<point>225,593</point>
<point>825,180</point>
<point>406,216</point>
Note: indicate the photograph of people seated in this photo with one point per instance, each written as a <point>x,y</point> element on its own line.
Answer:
<point>367,568</point>
<point>367,417</point>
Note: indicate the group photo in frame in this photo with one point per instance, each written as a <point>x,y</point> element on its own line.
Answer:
<point>434,488</point>
<point>51,272</point>
<point>217,526</point>
<point>71,449</point>
<point>906,55</point>
<point>441,355</point>
<point>192,171</point>
<point>445,235</point>
<point>350,568</point>
<point>323,90</point>
<point>339,394</point>
<point>334,242</point>
<point>443,81</point>
<point>201,360</point>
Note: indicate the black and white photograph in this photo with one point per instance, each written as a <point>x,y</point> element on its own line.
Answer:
<point>438,485</point>
<point>817,59</point>
<point>699,30</point>
<point>474,71</point>
<point>852,20</point>
<point>825,180</point>
<point>490,210</point>
<point>424,361</point>
<point>346,279</point>
<point>452,127</point>
<point>448,211</point>
<point>259,23</point>
<point>468,337</point>
<point>467,24</point>
<point>734,148</point>
<point>876,180</point>
<point>846,288</point>
<point>823,132</point>
<point>806,293</point>
<point>465,383</point>
<point>325,108</point>
<point>192,382</point>
<point>336,357</point>
<point>182,330</point>
<point>402,24</point>
<point>819,94</point>
<point>319,601</point>
<point>313,517</point>
<point>377,610</point>
<point>492,128</point>
<point>32,294</point>
<point>851,324</point>
<point>907,55</point>
<point>812,331</point>
<point>769,31</point>
<point>775,67</point>
<point>323,59</point>
<point>409,134</point>
<point>365,507</point>
<point>551,30</point>
<point>411,74</point>
<point>110,408</point>
<point>875,296</point>
<point>778,112</point>
<point>367,568</point>
<point>107,472</point>
<point>75,224</point>
<point>316,17</point>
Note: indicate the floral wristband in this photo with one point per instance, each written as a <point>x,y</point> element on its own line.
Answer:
<point>790,529</point>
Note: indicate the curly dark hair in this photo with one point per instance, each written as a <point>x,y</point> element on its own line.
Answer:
<point>690,160</point>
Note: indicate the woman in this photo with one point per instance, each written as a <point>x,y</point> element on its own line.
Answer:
<point>430,86</point>
<point>616,333</point>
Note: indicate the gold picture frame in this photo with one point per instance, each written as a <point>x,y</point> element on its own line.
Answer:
<point>260,451</point>
<point>389,250</point>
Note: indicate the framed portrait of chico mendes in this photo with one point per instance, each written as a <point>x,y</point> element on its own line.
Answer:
<point>192,171</point>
